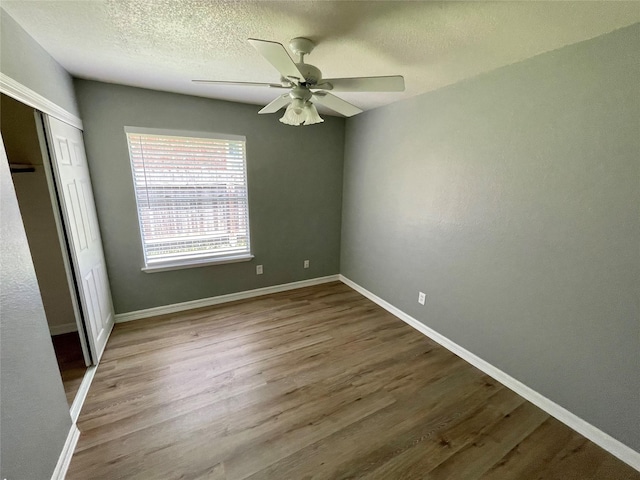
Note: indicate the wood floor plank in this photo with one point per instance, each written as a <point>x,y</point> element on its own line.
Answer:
<point>307,432</point>
<point>427,446</point>
<point>555,452</point>
<point>490,446</point>
<point>388,432</point>
<point>529,457</point>
<point>313,383</point>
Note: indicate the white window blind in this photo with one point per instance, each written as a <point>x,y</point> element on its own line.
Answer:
<point>191,193</point>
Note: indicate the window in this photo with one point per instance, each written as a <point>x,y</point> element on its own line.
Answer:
<point>191,193</point>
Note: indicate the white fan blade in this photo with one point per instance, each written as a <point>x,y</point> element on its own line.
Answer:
<point>393,83</point>
<point>277,104</point>
<point>243,84</point>
<point>277,56</point>
<point>336,104</point>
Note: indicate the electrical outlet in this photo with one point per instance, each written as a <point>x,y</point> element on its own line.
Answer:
<point>258,269</point>
<point>421,298</point>
<point>306,264</point>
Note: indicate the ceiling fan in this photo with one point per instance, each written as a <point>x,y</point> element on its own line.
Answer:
<point>306,85</point>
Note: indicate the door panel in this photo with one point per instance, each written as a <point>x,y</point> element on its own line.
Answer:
<point>75,215</point>
<point>62,150</point>
<point>80,218</point>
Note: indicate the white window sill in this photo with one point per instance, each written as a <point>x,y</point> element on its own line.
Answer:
<point>165,267</point>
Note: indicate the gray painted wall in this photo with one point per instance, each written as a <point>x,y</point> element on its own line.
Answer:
<point>33,408</point>
<point>512,200</point>
<point>295,192</point>
<point>25,61</point>
<point>20,136</point>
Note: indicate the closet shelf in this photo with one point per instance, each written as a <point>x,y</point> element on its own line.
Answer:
<point>21,168</point>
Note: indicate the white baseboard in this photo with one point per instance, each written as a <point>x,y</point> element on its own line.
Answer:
<point>64,328</point>
<point>67,452</point>
<point>231,297</point>
<point>82,392</point>
<point>597,436</point>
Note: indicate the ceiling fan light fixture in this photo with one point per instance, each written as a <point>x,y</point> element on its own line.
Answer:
<point>312,114</point>
<point>294,114</point>
<point>299,112</point>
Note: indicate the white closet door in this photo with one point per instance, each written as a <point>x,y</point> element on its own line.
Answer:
<point>71,173</point>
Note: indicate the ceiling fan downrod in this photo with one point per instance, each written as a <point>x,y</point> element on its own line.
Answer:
<point>301,46</point>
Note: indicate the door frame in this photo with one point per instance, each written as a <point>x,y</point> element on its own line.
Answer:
<point>43,105</point>
<point>76,405</point>
<point>23,94</point>
<point>31,98</point>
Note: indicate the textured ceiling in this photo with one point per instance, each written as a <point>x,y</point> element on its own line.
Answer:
<point>163,44</point>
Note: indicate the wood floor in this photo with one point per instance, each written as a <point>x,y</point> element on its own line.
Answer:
<point>313,383</point>
<point>70,361</point>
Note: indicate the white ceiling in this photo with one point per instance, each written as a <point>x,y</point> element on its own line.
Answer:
<point>163,44</point>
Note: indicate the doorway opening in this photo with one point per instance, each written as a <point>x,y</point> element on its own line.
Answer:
<point>33,186</point>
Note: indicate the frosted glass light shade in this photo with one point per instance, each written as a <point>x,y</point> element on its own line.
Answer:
<point>311,114</point>
<point>294,114</point>
<point>299,112</point>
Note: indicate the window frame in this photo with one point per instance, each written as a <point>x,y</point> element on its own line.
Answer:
<point>192,262</point>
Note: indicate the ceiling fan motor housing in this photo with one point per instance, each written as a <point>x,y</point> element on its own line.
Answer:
<point>300,93</point>
<point>312,75</point>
